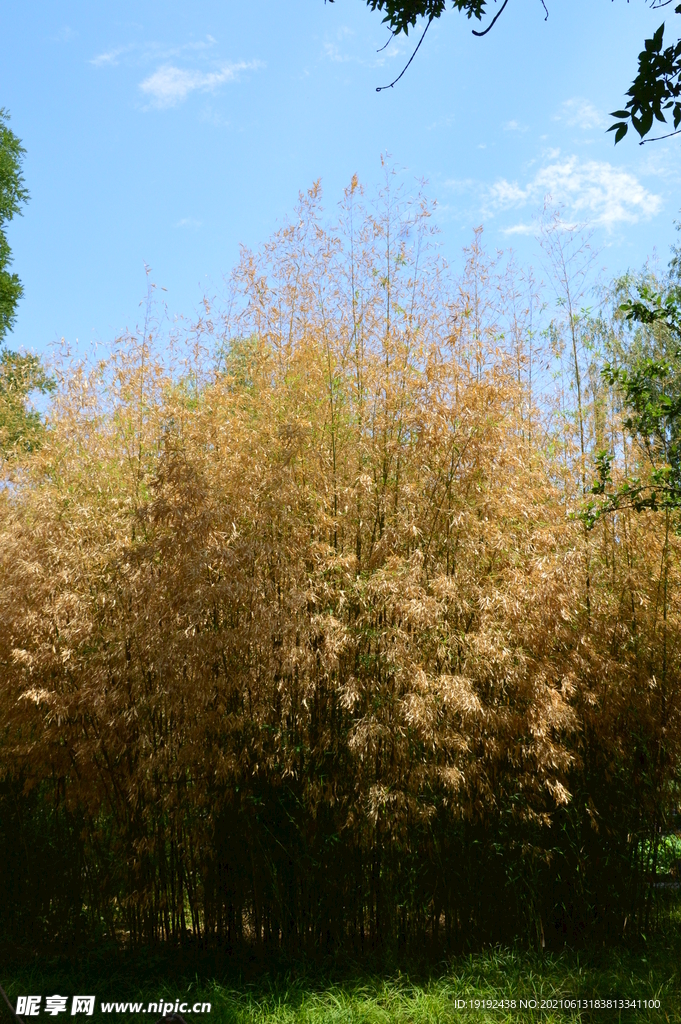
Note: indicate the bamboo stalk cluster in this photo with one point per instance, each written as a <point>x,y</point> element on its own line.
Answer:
<point>304,647</point>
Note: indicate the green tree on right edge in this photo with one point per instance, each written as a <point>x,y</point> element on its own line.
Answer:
<point>649,385</point>
<point>20,375</point>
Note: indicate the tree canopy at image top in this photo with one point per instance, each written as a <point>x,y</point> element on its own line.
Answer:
<point>13,195</point>
<point>400,15</point>
<point>656,88</point>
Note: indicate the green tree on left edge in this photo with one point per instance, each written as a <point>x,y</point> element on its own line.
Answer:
<point>20,375</point>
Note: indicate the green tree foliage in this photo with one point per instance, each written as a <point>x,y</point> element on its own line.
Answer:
<point>400,15</point>
<point>656,88</point>
<point>649,386</point>
<point>13,195</point>
<point>20,375</point>
<point>20,426</point>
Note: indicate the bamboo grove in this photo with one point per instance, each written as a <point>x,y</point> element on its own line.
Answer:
<point>304,643</point>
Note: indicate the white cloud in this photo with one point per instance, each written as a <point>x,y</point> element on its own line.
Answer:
<point>170,85</point>
<point>581,113</point>
<point>110,58</point>
<point>662,161</point>
<point>442,122</point>
<point>461,185</point>
<point>65,35</point>
<point>591,190</point>
<point>189,222</point>
<point>152,51</point>
<point>505,194</point>
<point>514,126</point>
<point>333,53</point>
<point>520,229</point>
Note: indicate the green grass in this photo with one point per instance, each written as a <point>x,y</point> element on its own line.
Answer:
<point>302,995</point>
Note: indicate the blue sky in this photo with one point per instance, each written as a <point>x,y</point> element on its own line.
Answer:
<point>169,133</point>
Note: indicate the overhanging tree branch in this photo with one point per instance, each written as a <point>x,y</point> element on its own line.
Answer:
<point>492,22</point>
<point>380,88</point>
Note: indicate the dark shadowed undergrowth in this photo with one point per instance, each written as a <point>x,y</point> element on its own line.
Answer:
<point>256,991</point>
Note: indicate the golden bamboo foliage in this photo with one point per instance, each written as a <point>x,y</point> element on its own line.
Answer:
<point>278,626</point>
